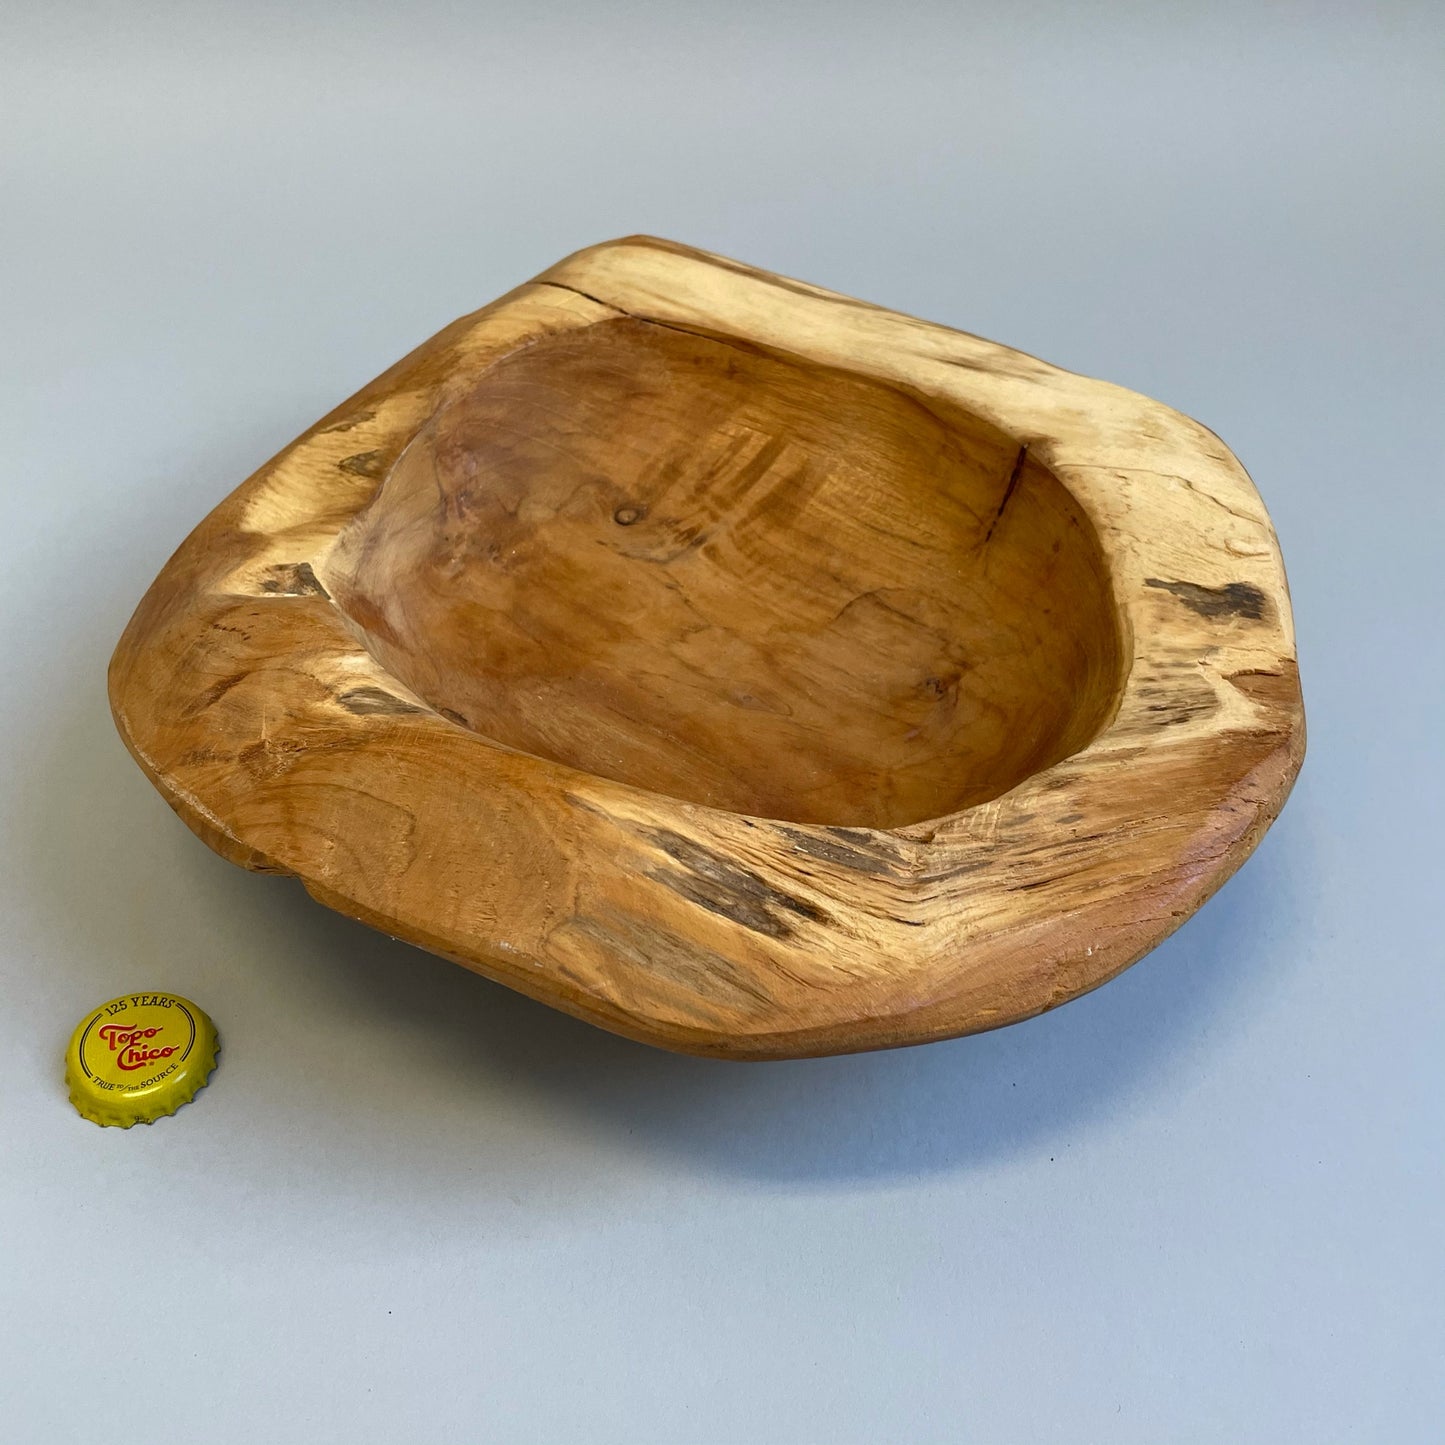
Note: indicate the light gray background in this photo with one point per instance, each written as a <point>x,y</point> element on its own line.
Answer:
<point>1203,1204</point>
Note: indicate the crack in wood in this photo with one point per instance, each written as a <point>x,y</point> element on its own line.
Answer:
<point>1008,491</point>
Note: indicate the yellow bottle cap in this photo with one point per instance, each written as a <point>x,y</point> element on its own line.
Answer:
<point>139,1057</point>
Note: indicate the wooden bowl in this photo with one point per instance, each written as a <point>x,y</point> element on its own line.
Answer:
<point>743,668</point>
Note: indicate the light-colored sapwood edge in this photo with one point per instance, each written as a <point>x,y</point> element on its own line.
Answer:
<point>257,710</point>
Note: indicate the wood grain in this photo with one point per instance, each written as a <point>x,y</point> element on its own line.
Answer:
<point>744,668</point>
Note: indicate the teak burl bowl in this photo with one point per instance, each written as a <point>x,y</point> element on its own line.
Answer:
<point>735,665</point>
